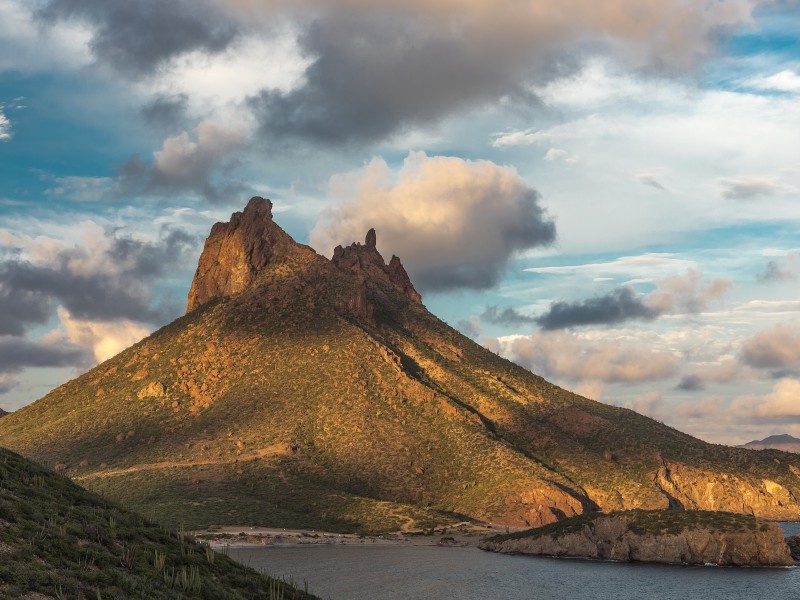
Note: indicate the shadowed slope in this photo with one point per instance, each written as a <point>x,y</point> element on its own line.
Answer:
<point>59,540</point>
<point>323,394</point>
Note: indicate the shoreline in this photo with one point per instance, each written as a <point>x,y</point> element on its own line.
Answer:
<point>247,537</point>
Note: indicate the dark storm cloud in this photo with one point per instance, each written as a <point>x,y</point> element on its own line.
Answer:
<point>615,307</point>
<point>28,291</point>
<point>166,113</point>
<point>373,76</point>
<point>17,353</point>
<point>20,307</point>
<point>691,383</point>
<point>507,316</point>
<point>136,36</point>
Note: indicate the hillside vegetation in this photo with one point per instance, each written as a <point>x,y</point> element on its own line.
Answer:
<point>323,394</point>
<point>57,540</point>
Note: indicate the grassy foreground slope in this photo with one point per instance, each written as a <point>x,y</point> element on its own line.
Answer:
<point>324,395</point>
<point>58,540</point>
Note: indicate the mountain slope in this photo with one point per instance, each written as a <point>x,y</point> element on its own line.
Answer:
<point>299,391</point>
<point>58,540</point>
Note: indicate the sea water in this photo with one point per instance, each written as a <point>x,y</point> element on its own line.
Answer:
<point>401,572</point>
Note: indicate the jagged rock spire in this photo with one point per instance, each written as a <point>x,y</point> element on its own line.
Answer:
<point>371,239</point>
<point>236,251</point>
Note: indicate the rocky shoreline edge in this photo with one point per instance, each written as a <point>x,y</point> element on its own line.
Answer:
<point>671,537</point>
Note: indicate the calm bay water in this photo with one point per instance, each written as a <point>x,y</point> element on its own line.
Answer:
<point>378,572</point>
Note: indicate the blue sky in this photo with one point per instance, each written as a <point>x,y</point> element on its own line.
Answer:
<point>607,195</point>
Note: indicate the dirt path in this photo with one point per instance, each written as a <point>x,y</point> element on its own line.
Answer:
<point>274,450</point>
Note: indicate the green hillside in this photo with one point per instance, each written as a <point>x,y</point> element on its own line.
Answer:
<point>57,540</point>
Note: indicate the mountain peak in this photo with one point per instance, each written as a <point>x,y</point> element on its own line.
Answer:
<point>237,251</point>
<point>367,263</point>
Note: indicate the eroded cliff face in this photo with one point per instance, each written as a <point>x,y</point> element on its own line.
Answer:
<point>695,489</point>
<point>615,537</point>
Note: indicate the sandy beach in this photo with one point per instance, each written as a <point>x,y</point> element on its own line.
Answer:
<point>238,536</point>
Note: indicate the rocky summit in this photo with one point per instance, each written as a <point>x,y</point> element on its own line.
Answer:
<point>299,391</point>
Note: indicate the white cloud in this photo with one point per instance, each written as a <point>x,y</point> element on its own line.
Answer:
<point>559,154</point>
<point>525,137</point>
<point>783,81</point>
<point>783,401</point>
<point>181,158</point>
<point>686,131</point>
<point>687,293</point>
<point>103,339</point>
<point>84,189</point>
<point>775,348</point>
<point>5,126</point>
<point>217,84</point>
<point>577,357</point>
<point>643,266</point>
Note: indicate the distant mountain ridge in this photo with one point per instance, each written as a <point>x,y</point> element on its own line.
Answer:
<point>299,391</point>
<point>783,441</point>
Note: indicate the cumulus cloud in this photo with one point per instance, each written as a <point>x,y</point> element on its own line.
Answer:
<point>782,402</point>
<point>506,316</point>
<point>747,188</point>
<point>138,36</point>
<point>775,348</point>
<point>201,163</point>
<point>620,305</point>
<point>455,223</point>
<point>687,293</point>
<point>102,339</point>
<point>566,355</point>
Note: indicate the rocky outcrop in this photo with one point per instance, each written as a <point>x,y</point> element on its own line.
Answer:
<point>237,251</point>
<point>696,489</point>
<point>623,537</point>
<point>367,263</point>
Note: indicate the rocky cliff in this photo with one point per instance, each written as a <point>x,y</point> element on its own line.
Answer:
<point>237,251</point>
<point>676,537</point>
